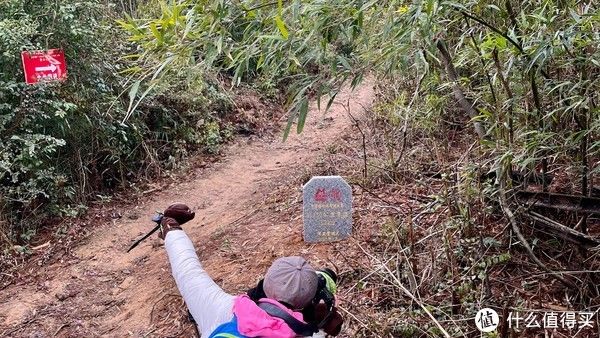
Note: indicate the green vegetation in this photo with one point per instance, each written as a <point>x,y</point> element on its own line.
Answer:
<point>523,74</point>
<point>64,144</point>
<point>305,48</point>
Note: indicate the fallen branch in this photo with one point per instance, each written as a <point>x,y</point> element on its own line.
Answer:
<point>515,227</point>
<point>566,232</point>
<point>578,203</point>
<point>149,191</point>
<point>47,244</point>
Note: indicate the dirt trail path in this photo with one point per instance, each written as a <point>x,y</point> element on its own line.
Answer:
<point>100,291</point>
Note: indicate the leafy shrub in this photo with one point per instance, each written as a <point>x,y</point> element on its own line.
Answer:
<point>62,144</point>
<point>35,120</point>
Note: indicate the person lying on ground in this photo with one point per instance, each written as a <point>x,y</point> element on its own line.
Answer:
<point>293,300</point>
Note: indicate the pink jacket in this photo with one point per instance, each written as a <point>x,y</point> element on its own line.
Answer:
<point>255,322</point>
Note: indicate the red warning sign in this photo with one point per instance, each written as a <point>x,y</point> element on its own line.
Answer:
<point>41,65</point>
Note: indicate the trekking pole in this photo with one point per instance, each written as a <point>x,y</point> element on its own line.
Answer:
<point>156,219</point>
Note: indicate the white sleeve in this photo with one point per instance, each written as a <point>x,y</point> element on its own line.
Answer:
<point>208,303</point>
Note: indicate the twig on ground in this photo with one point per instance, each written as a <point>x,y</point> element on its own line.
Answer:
<point>397,209</point>
<point>156,303</point>
<point>246,215</point>
<point>580,223</point>
<point>60,328</point>
<point>368,191</point>
<point>357,320</point>
<point>149,191</point>
<point>393,171</point>
<point>406,291</point>
<point>349,290</point>
<point>47,244</point>
<point>414,197</point>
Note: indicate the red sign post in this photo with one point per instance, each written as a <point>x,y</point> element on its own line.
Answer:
<point>43,65</point>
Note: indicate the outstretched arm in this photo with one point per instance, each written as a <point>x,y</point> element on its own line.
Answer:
<point>208,303</point>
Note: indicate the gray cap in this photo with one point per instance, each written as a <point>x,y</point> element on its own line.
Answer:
<point>291,280</point>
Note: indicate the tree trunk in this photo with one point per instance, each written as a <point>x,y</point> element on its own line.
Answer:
<point>459,95</point>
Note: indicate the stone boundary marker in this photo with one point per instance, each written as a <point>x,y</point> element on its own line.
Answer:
<point>327,209</point>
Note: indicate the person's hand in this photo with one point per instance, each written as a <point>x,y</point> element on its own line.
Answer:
<point>179,212</point>
<point>167,224</point>
<point>334,322</point>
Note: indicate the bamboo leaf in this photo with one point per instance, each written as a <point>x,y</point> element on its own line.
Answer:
<point>356,80</point>
<point>190,21</point>
<point>330,102</point>
<point>319,95</point>
<point>155,32</point>
<point>344,62</point>
<point>281,26</point>
<point>303,112</point>
<point>144,94</point>
<point>260,62</point>
<point>162,66</point>
<point>132,93</point>
<point>288,127</point>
